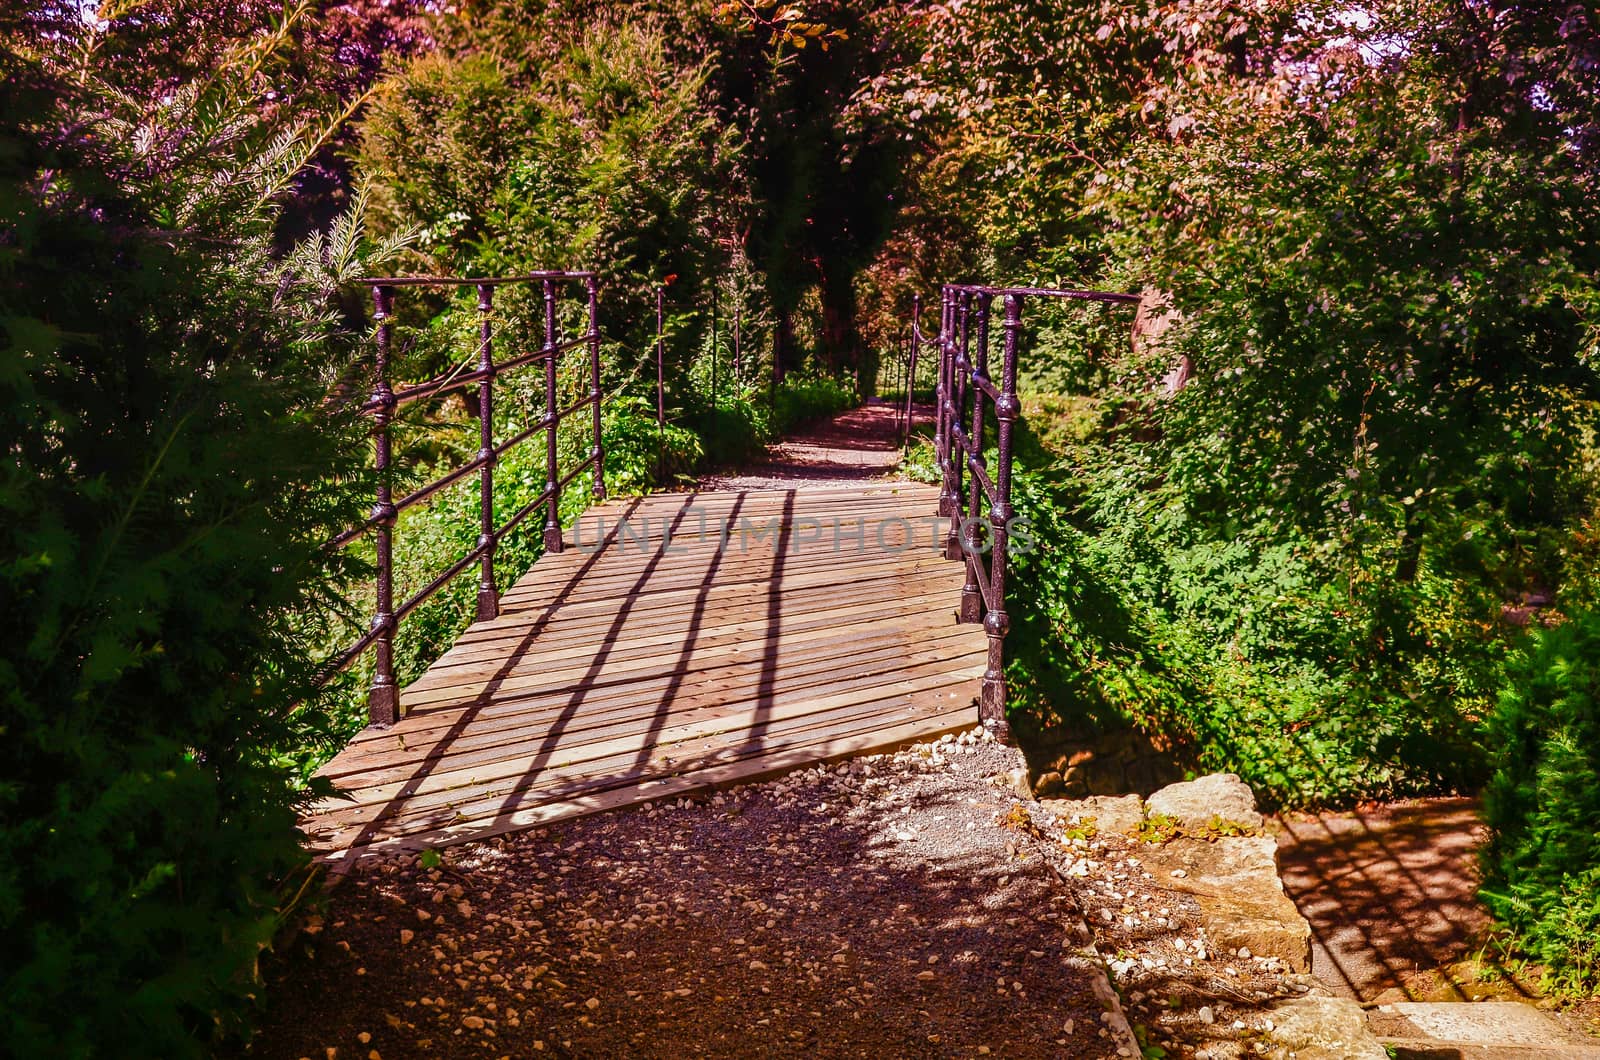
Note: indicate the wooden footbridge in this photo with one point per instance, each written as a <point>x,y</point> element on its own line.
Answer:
<point>683,641</point>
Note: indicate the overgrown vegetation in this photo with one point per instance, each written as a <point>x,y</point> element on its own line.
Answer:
<point>1542,863</point>
<point>168,483</point>
<point>1299,529</point>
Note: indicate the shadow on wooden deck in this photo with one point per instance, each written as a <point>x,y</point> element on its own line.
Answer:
<point>681,642</point>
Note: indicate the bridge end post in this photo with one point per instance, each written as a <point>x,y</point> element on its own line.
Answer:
<point>488,594</point>
<point>992,695</point>
<point>383,698</point>
<point>1007,407</point>
<point>552,477</point>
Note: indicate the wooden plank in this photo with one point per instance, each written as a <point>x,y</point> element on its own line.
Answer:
<point>637,668</point>
<point>864,584</point>
<point>745,771</point>
<point>402,766</point>
<point>471,732</point>
<point>931,595</point>
<point>869,722</point>
<point>618,564</point>
<point>528,673</point>
<point>489,713</point>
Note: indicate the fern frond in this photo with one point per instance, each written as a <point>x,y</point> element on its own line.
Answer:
<point>275,176</point>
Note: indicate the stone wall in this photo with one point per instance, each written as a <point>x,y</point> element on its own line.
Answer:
<point>1110,763</point>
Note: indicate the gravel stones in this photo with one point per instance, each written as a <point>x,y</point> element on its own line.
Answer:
<point>790,918</point>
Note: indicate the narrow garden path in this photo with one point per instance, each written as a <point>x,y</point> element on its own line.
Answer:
<point>1390,891</point>
<point>863,443</point>
<point>911,903</point>
<point>1391,894</point>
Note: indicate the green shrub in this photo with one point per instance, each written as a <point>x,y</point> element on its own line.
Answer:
<point>169,479</point>
<point>1541,866</point>
<point>734,432</point>
<point>1241,653</point>
<point>549,142</point>
<point>639,455</point>
<point>804,399</point>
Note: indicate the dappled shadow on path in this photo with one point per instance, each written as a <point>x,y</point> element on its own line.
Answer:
<point>855,446</point>
<point>1390,892</point>
<point>827,916</point>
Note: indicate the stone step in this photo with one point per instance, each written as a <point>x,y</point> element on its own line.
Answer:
<point>1487,1030</point>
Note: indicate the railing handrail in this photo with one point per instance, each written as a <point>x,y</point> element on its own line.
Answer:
<point>384,696</point>
<point>962,342</point>
<point>471,281</point>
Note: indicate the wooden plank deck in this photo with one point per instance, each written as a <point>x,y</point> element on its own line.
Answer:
<point>681,642</point>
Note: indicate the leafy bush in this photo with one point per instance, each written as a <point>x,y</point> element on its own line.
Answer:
<point>732,432</point>
<point>170,477</point>
<point>641,456</point>
<point>1233,652</point>
<point>544,142</point>
<point>1541,866</point>
<point>804,399</point>
<point>1294,564</point>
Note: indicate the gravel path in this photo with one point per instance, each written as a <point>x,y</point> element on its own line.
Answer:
<point>897,905</point>
<point>859,445</point>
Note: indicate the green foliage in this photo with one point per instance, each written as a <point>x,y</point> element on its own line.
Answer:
<point>639,454</point>
<point>1378,276</point>
<point>595,147</point>
<point>804,399</point>
<point>1541,867</point>
<point>1243,654</point>
<point>170,477</point>
<point>1157,828</point>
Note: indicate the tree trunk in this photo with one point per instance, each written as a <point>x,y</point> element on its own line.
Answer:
<point>841,342</point>
<point>783,346</point>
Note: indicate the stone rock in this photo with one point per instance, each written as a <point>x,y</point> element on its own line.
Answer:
<point>1104,776</point>
<point>1111,813</point>
<point>1195,803</point>
<point>1324,1028</point>
<point>1049,784</point>
<point>1479,1029</point>
<point>1242,903</point>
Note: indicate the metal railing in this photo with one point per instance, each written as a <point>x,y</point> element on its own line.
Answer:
<point>384,696</point>
<point>962,434</point>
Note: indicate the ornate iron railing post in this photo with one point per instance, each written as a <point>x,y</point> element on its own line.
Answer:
<point>992,700</point>
<point>488,595</point>
<point>960,441</point>
<point>911,366</point>
<point>383,700</point>
<point>661,386</point>
<point>971,535</point>
<point>948,502</point>
<point>956,398</point>
<point>598,451</point>
<point>552,518</point>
